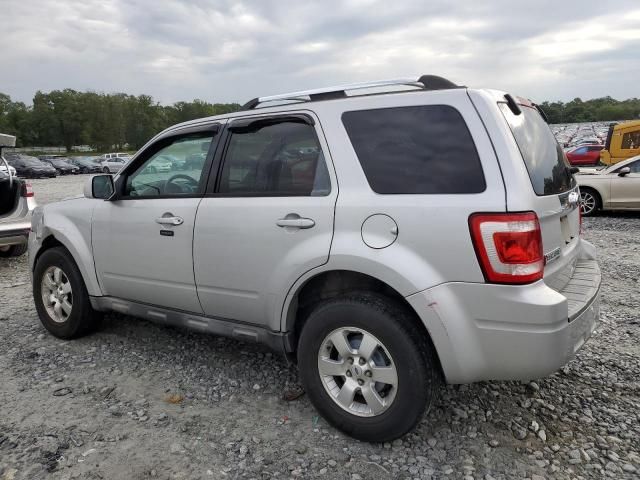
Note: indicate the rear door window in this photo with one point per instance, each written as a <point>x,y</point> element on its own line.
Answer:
<point>276,159</point>
<point>424,149</point>
<point>542,155</point>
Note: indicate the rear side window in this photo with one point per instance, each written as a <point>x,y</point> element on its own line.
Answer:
<point>631,140</point>
<point>543,156</point>
<point>281,159</point>
<point>415,150</point>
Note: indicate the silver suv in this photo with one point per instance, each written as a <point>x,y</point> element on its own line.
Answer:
<point>388,236</point>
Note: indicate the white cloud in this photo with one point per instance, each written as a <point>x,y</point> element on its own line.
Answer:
<point>232,50</point>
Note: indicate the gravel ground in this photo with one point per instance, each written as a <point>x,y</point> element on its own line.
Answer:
<point>138,400</point>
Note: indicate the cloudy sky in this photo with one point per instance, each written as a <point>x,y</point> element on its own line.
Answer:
<point>232,50</point>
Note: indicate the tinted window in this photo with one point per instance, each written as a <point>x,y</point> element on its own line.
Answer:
<point>634,166</point>
<point>580,150</point>
<point>543,156</point>
<point>166,172</point>
<point>631,140</point>
<point>417,150</point>
<point>283,159</point>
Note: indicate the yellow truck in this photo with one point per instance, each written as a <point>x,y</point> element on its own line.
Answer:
<point>623,141</point>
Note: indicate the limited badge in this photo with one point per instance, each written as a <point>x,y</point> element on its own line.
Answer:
<point>552,255</point>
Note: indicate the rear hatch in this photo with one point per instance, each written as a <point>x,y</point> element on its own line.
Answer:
<point>9,197</point>
<point>556,192</point>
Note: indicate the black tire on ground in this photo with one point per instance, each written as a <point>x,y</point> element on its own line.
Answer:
<point>105,170</point>
<point>585,193</point>
<point>417,368</point>
<point>14,250</point>
<point>83,318</point>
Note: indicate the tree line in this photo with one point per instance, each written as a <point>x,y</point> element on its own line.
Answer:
<point>105,121</point>
<point>596,110</point>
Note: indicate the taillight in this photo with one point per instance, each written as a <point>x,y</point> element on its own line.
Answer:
<point>508,246</point>
<point>580,218</point>
<point>27,190</point>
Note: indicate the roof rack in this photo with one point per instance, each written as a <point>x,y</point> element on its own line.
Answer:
<point>425,82</point>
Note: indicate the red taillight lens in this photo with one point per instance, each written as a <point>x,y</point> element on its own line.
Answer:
<point>508,246</point>
<point>580,217</point>
<point>27,190</point>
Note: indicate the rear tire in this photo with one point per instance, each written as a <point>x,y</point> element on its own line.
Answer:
<point>388,362</point>
<point>61,299</point>
<point>105,170</point>
<point>590,202</point>
<point>14,250</point>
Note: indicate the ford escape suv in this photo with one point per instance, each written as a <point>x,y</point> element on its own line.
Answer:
<point>388,236</point>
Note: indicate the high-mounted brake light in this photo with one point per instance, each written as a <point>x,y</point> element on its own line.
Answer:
<point>27,190</point>
<point>508,246</point>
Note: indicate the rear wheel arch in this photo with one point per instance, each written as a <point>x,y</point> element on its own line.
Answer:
<point>338,283</point>
<point>596,195</point>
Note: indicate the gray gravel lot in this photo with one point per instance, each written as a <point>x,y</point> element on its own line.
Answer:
<point>138,400</point>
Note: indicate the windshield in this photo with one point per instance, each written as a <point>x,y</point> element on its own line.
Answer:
<point>30,161</point>
<point>59,162</point>
<point>542,155</point>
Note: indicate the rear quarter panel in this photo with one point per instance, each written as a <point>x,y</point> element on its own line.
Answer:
<point>433,243</point>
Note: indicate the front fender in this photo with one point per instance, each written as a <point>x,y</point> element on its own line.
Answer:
<point>70,226</point>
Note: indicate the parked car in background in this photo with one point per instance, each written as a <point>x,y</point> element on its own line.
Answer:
<point>452,250</point>
<point>584,155</point>
<point>16,205</point>
<point>109,156</point>
<point>87,164</point>
<point>61,163</point>
<point>164,163</point>
<point>623,141</point>
<point>11,170</point>
<point>113,164</point>
<point>30,167</point>
<point>616,187</point>
<point>194,161</point>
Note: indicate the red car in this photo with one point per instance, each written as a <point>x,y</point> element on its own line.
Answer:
<point>584,155</point>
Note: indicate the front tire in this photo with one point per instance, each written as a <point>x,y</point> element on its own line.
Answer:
<point>14,250</point>
<point>60,295</point>
<point>367,367</point>
<point>105,170</point>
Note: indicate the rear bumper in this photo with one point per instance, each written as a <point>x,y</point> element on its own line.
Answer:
<point>504,332</point>
<point>15,233</point>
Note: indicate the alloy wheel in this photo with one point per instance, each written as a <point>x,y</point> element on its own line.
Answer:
<point>57,295</point>
<point>587,202</point>
<point>357,372</point>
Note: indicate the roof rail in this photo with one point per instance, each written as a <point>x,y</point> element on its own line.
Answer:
<point>425,82</point>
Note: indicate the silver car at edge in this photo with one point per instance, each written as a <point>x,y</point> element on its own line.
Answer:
<point>387,236</point>
<point>16,204</point>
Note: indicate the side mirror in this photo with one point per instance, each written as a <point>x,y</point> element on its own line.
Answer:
<point>100,187</point>
<point>624,171</point>
<point>574,170</point>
